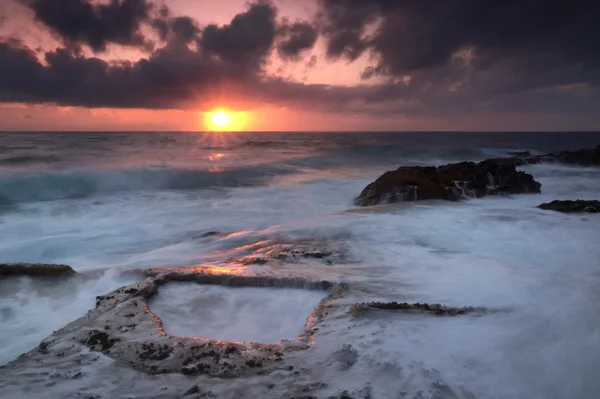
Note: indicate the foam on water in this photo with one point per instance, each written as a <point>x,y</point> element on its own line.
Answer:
<point>30,309</point>
<point>265,315</point>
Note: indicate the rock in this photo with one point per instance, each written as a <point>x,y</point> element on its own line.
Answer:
<point>280,251</point>
<point>448,182</point>
<point>432,309</point>
<point>519,154</point>
<point>577,206</point>
<point>123,327</point>
<point>35,270</point>
<point>579,157</point>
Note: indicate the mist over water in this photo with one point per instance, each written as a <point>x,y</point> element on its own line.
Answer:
<point>109,202</point>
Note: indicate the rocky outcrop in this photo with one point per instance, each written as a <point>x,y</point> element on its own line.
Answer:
<point>577,206</point>
<point>580,157</point>
<point>448,182</point>
<point>35,270</point>
<point>123,327</point>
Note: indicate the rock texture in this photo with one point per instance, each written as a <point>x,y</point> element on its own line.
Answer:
<point>119,349</point>
<point>577,206</point>
<point>448,182</point>
<point>35,269</point>
<point>294,251</point>
<point>417,308</point>
<point>123,327</point>
<point>589,157</point>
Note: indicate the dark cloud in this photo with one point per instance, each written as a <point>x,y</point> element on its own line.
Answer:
<point>296,38</point>
<point>169,27</point>
<point>97,25</point>
<point>185,28</point>
<point>409,35</point>
<point>228,59</point>
<point>431,59</point>
<point>247,39</point>
<point>173,77</point>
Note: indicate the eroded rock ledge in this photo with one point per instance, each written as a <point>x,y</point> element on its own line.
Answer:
<point>123,333</point>
<point>35,270</point>
<point>450,182</point>
<point>123,327</point>
<point>570,206</point>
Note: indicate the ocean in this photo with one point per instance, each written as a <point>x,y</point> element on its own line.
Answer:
<point>109,202</point>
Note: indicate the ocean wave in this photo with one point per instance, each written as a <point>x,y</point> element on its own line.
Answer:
<point>394,155</point>
<point>56,185</point>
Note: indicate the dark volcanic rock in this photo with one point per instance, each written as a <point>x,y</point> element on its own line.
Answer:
<point>35,269</point>
<point>577,206</point>
<point>448,182</point>
<point>432,309</point>
<point>579,157</point>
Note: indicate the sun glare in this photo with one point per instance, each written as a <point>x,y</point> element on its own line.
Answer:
<point>223,120</point>
<point>220,119</point>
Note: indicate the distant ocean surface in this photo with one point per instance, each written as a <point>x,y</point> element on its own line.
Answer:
<point>104,202</point>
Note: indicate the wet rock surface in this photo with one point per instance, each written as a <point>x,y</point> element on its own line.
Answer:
<point>572,206</point>
<point>450,182</point>
<point>123,327</point>
<point>120,348</point>
<point>418,308</point>
<point>294,251</point>
<point>35,270</point>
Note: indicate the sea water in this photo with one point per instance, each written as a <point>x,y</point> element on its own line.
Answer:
<point>106,203</point>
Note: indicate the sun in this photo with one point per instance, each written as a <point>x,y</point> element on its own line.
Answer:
<point>224,120</point>
<point>220,119</point>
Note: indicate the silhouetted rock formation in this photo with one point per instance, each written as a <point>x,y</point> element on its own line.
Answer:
<point>579,157</point>
<point>35,269</point>
<point>448,182</point>
<point>577,206</point>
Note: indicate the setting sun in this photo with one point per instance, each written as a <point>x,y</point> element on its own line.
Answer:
<point>224,120</point>
<point>220,119</point>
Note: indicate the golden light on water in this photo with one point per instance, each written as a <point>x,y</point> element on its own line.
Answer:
<point>222,120</point>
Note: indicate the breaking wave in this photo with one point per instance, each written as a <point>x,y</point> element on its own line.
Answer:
<point>56,185</point>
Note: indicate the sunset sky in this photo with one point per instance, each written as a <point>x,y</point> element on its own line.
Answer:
<point>300,64</point>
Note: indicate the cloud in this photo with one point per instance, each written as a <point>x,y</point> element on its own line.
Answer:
<point>295,39</point>
<point>410,36</point>
<point>247,39</point>
<point>3,17</point>
<point>96,25</point>
<point>173,77</point>
<point>507,59</point>
<point>169,27</point>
